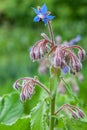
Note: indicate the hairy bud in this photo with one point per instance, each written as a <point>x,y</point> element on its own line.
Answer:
<point>81,114</point>
<point>22,97</point>
<point>16,86</point>
<point>74,115</point>
<point>81,54</point>
<point>57,61</point>
<point>38,50</point>
<point>77,66</point>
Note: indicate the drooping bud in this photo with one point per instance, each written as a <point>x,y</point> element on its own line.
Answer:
<point>38,50</point>
<point>58,39</point>
<point>80,77</point>
<point>81,113</point>
<point>32,54</point>
<point>22,97</point>
<point>74,115</point>
<point>45,36</point>
<point>77,66</point>
<point>81,54</point>
<point>16,86</point>
<point>57,61</point>
<point>28,89</point>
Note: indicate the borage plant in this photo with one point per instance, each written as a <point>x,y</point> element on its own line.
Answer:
<point>60,59</point>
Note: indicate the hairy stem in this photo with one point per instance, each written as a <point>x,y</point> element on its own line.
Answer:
<point>51,33</point>
<point>52,113</point>
<point>43,86</point>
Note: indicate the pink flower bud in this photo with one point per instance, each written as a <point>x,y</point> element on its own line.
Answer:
<point>22,97</point>
<point>32,54</point>
<point>38,50</point>
<point>57,61</point>
<point>81,114</point>
<point>77,66</point>
<point>74,115</point>
<point>81,54</point>
<point>16,86</point>
<point>28,89</point>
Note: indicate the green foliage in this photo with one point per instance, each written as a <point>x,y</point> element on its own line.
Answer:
<point>11,108</point>
<point>20,124</point>
<point>37,116</point>
<point>65,123</point>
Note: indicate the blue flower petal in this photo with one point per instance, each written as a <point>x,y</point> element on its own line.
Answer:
<point>75,40</point>
<point>65,69</point>
<point>78,38</point>
<point>43,9</point>
<point>36,11</point>
<point>45,21</point>
<point>36,19</point>
<point>50,17</point>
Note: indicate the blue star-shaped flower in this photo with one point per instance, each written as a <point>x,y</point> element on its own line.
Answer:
<point>42,14</point>
<point>75,40</point>
<point>65,69</point>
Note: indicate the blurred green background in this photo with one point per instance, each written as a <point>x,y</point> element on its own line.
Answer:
<point>18,33</point>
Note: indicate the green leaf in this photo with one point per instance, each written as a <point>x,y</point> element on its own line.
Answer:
<point>76,125</point>
<point>71,124</point>
<point>37,115</point>
<point>70,92</point>
<point>20,124</point>
<point>11,108</point>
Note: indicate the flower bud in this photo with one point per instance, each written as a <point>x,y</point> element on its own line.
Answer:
<point>74,115</point>
<point>22,97</point>
<point>77,66</point>
<point>35,54</point>
<point>38,50</point>
<point>57,61</point>
<point>58,39</point>
<point>32,54</point>
<point>81,114</point>
<point>16,86</point>
<point>28,89</point>
<point>81,54</point>
<point>80,77</point>
<point>45,36</point>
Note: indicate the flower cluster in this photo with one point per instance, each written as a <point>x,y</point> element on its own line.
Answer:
<point>27,86</point>
<point>62,55</point>
<point>73,110</point>
<point>38,50</point>
<point>66,58</point>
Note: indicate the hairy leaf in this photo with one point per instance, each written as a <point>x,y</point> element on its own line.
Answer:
<point>71,124</point>
<point>20,124</point>
<point>37,116</point>
<point>11,108</point>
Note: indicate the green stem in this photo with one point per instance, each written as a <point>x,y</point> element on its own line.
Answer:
<point>43,86</point>
<point>52,113</point>
<point>51,33</point>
